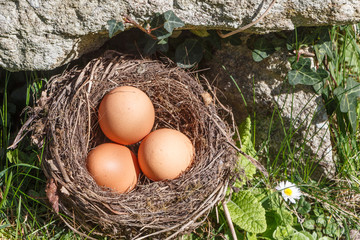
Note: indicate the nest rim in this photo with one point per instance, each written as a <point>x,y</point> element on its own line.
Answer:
<point>78,83</point>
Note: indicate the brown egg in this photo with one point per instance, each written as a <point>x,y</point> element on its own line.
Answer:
<point>113,166</point>
<point>126,115</point>
<point>165,154</point>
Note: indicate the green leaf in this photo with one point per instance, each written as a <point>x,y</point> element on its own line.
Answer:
<point>302,73</point>
<point>304,206</point>
<point>320,87</point>
<point>7,188</point>
<point>348,100</point>
<point>309,224</point>
<point>247,147</point>
<point>262,49</point>
<point>156,22</point>
<point>320,53</point>
<point>353,119</point>
<point>200,32</point>
<point>283,217</point>
<point>114,27</point>
<point>271,224</point>
<point>150,46</point>
<point>331,229</point>
<point>163,47</point>
<point>283,232</point>
<point>325,44</point>
<point>299,236</point>
<point>321,220</point>
<point>189,53</point>
<point>251,236</point>
<point>172,21</point>
<point>246,212</point>
<point>245,136</point>
<point>353,88</point>
<point>309,235</point>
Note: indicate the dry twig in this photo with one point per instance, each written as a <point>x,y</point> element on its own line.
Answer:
<point>248,25</point>
<point>160,209</point>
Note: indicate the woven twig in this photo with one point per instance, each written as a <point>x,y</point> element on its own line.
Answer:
<point>66,121</point>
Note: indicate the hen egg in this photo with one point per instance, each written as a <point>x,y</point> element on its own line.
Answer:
<point>165,154</point>
<point>113,166</point>
<point>126,115</point>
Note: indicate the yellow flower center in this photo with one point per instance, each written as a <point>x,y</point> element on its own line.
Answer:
<point>288,191</point>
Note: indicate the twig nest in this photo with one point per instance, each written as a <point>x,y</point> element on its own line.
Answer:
<point>66,121</point>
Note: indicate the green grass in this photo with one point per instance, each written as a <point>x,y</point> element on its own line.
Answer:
<point>329,208</point>
<point>23,209</point>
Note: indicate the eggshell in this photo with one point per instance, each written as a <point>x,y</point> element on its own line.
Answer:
<point>113,166</point>
<point>165,154</point>
<point>126,115</point>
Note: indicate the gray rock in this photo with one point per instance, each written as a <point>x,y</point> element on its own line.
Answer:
<point>289,120</point>
<point>44,34</point>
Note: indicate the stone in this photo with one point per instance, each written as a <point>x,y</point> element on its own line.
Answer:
<point>45,34</point>
<point>289,120</point>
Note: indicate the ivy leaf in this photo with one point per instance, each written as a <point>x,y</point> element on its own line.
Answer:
<point>156,22</point>
<point>320,87</point>
<point>352,116</point>
<point>348,96</point>
<point>246,212</point>
<point>325,45</point>
<point>262,49</point>
<point>301,63</point>
<point>189,53</point>
<point>302,73</point>
<point>114,27</point>
<point>163,45</point>
<point>172,21</point>
<point>353,87</point>
<point>150,46</point>
<point>320,53</point>
<point>348,100</point>
<point>325,48</point>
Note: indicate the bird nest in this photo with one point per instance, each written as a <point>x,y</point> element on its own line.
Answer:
<point>65,122</point>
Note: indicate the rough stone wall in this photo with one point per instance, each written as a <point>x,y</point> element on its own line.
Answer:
<point>291,121</point>
<point>44,34</point>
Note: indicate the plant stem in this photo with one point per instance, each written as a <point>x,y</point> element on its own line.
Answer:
<point>127,19</point>
<point>228,219</point>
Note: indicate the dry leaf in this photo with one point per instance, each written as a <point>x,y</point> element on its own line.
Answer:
<point>207,98</point>
<point>52,195</point>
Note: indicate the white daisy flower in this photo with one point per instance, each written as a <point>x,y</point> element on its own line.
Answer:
<point>289,191</point>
